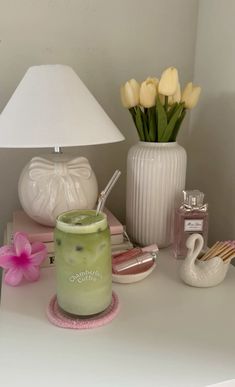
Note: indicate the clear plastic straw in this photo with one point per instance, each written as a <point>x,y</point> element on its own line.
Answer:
<point>105,193</point>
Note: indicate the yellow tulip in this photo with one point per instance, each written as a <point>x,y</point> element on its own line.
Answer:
<point>148,92</point>
<point>190,95</point>
<point>175,97</point>
<point>154,81</point>
<point>168,81</point>
<point>130,93</point>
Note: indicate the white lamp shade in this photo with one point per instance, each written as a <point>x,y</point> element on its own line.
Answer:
<point>51,107</point>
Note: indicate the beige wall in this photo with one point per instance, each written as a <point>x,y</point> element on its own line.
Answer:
<point>106,42</point>
<point>211,144</point>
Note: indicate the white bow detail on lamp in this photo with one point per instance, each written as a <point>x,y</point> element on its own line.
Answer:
<point>51,107</point>
<point>43,182</point>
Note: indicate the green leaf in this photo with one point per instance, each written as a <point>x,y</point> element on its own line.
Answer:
<point>170,127</point>
<point>133,115</point>
<point>161,119</point>
<point>139,123</point>
<point>166,103</point>
<point>152,123</point>
<point>177,125</point>
<point>133,112</point>
<point>171,111</point>
<point>146,129</point>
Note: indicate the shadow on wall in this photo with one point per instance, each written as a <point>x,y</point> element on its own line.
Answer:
<point>211,160</point>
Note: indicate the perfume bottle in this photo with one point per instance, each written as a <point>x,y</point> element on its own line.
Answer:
<point>191,217</point>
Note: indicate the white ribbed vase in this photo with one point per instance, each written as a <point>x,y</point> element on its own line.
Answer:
<point>155,179</point>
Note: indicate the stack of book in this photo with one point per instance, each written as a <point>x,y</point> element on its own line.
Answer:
<point>37,232</point>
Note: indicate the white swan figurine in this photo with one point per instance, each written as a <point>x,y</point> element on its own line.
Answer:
<point>201,273</point>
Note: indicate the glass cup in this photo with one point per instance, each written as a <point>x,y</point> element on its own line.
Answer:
<point>83,262</point>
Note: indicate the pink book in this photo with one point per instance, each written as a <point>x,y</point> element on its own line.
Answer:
<point>37,232</point>
<point>115,226</point>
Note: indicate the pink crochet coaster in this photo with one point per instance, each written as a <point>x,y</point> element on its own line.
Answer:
<point>60,319</point>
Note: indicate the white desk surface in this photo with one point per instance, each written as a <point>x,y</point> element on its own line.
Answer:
<point>166,334</point>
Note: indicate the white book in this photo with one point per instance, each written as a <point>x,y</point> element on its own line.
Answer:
<point>8,234</point>
<point>116,239</point>
<point>122,247</point>
<point>49,260</point>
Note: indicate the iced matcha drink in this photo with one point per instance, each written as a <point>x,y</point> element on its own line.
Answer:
<point>83,262</point>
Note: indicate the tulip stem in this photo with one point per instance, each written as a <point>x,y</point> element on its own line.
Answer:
<point>166,103</point>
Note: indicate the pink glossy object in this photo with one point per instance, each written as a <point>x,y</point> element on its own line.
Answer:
<point>131,262</point>
<point>21,259</point>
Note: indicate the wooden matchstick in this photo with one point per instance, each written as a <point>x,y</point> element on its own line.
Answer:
<point>222,250</point>
<point>225,250</point>
<point>225,253</point>
<point>210,252</point>
<point>229,258</point>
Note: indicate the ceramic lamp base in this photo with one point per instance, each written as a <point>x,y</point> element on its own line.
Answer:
<point>56,183</point>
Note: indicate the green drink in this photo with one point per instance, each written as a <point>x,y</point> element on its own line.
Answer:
<point>83,262</point>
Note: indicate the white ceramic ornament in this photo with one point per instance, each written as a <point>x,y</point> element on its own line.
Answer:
<point>202,273</point>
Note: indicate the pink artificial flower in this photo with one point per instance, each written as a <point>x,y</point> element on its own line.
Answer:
<point>22,259</point>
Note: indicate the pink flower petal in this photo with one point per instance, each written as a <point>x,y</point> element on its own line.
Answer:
<point>37,247</point>
<point>7,249</point>
<point>39,253</point>
<point>21,244</point>
<point>31,273</point>
<point>6,261</point>
<point>13,276</point>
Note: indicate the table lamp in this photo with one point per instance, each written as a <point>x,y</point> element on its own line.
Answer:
<point>51,107</point>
